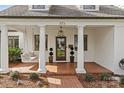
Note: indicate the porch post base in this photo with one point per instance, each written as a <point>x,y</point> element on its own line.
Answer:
<point>42,70</point>
<point>80,70</point>
<point>4,70</point>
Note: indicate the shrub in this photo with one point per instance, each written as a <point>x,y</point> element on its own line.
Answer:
<point>105,77</point>
<point>122,79</point>
<point>89,78</point>
<point>51,49</point>
<point>34,76</point>
<point>14,75</point>
<point>72,53</point>
<point>14,54</point>
<point>72,48</point>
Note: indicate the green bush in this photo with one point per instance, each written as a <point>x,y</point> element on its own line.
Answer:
<point>34,76</point>
<point>14,54</point>
<point>122,79</point>
<point>89,78</point>
<point>14,75</point>
<point>104,77</point>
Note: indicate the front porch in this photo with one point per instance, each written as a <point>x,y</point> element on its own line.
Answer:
<point>36,40</point>
<point>59,68</point>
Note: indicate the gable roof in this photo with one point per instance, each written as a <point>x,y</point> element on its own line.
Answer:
<point>62,11</point>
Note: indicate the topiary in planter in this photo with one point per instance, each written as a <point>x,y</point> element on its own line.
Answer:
<point>104,77</point>
<point>72,55</point>
<point>51,49</point>
<point>89,78</point>
<point>14,75</point>
<point>51,55</point>
<point>33,76</point>
<point>122,79</point>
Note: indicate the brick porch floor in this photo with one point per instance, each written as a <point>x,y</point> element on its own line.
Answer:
<point>94,68</point>
<point>62,68</point>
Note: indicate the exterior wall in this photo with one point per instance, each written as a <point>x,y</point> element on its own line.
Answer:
<point>104,47</point>
<point>89,55</point>
<point>119,48</point>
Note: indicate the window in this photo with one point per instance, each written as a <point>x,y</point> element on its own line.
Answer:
<point>37,41</point>
<point>85,42</point>
<point>89,7</point>
<point>13,41</point>
<point>38,6</point>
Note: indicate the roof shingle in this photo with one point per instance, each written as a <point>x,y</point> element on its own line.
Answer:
<point>64,10</point>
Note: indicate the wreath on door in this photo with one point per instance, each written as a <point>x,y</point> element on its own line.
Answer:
<point>121,64</point>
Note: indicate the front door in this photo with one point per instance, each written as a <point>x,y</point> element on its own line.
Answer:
<point>60,48</point>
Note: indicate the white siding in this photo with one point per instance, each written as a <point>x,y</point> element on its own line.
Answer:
<point>104,47</point>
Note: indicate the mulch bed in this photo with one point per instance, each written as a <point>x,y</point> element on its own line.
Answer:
<point>7,82</point>
<point>99,84</point>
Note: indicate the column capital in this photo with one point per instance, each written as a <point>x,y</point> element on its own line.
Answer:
<point>41,26</point>
<point>81,26</point>
<point>3,26</point>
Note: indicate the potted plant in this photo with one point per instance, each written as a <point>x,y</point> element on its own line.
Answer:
<point>14,54</point>
<point>51,55</point>
<point>72,55</point>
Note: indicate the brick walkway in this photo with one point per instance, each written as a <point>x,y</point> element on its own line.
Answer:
<point>64,82</point>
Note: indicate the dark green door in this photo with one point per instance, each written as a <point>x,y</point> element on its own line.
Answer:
<point>60,48</point>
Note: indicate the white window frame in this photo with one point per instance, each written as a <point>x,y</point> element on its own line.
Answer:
<point>81,7</point>
<point>46,8</point>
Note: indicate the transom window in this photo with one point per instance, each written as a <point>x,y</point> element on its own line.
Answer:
<point>13,41</point>
<point>85,42</point>
<point>37,41</point>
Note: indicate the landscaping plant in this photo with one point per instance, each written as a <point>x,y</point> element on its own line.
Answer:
<point>89,78</point>
<point>51,55</point>
<point>72,55</point>
<point>104,77</point>
<point>14,75</point>
<point>14,54</point>
<point>34,76</point>
<point>122,79</point>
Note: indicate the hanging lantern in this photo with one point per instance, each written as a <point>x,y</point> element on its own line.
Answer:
<point>60,32</point>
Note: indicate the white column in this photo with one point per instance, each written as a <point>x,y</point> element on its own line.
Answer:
<point>25,40</point>
<point>42,61</point>
<point>4,49</point>
<point>80,52</point>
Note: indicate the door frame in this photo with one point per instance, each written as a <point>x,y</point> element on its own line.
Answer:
<point>62,59</point>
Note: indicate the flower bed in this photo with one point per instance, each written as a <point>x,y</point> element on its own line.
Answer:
<point>98,83</point>
<point>7,82</point>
